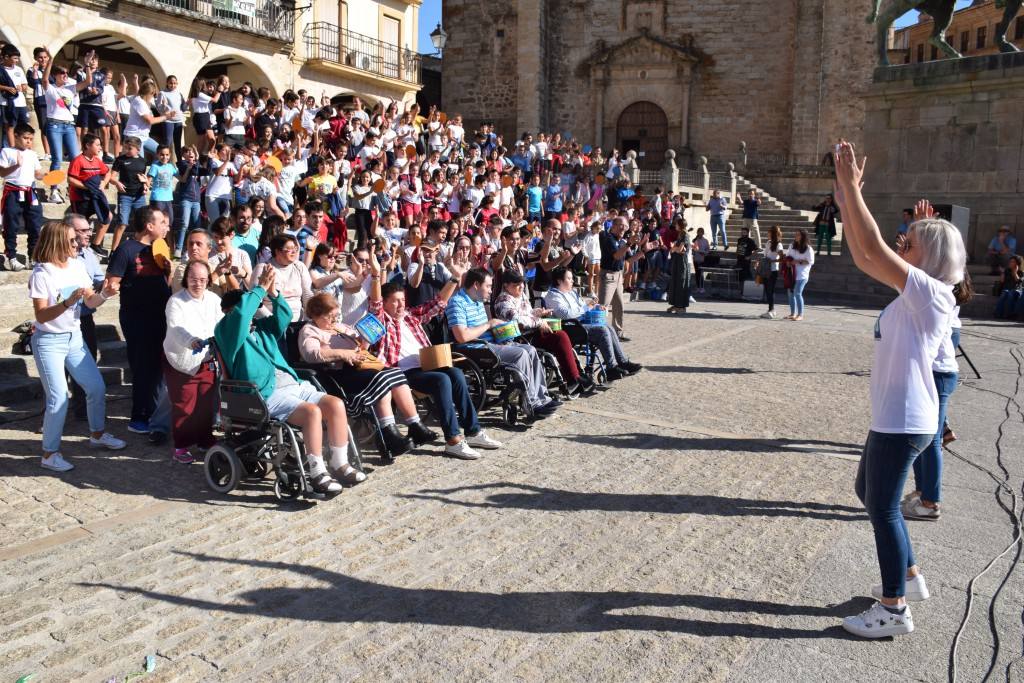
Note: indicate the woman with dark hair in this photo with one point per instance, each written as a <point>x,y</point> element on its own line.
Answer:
<point>801,257</point>
<point>192,315</point>
<point>680,269</point>
<point>1010,284</point>
<point>910,333</point>
<point>293,279</point>
<point>825,222</point>
<point>272,227</point>
<point>774,252</point>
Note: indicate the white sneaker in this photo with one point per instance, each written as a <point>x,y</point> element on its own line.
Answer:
<point>56,197</point>
<point>767,315</point>
<point>13,265</point>
<point>916,591</point>
<point>915,509</point>
<point>878,622</point>
<point>56,463</point>
<point>482,440</point>
<point>461,450</point>
<point>108,441</point>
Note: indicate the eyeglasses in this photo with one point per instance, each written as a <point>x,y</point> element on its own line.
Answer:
<point>362,261</point>
<point>291,250</point>
<point>330,257</point>
<point>198,280</point>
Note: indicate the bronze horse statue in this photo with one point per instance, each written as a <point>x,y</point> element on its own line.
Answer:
<point>941,11</point>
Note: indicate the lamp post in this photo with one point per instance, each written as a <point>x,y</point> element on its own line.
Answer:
<point>438,37</point>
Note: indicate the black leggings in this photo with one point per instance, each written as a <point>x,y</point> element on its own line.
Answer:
<point>769,289</point>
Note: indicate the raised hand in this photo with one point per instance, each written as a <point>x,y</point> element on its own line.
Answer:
<point>267,278</point>
<point>923,209</point>
<point>849,173</point>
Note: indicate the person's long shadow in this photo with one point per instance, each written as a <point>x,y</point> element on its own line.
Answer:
<point>527,497</point>
<point>648,441</point>
<point>345,599</point>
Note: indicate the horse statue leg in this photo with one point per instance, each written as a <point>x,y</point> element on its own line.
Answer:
<point>1009,12</point>
<point>941,12</point>
<point>884,18</point>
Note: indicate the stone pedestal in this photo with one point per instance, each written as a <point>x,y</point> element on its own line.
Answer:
<point>950,131</point>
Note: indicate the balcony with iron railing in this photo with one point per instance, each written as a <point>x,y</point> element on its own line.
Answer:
<point>273,19</point>
<point>329,45</point>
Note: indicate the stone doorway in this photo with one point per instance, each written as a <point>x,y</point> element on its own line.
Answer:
<point>643,127</point>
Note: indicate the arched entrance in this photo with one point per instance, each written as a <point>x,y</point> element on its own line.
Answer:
<point>239,70</point>
<point>643,127</point>
<point>119,52</point>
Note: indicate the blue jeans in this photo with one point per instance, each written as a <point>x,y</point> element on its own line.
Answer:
<point>283,204</point>
<point>448,393</point>
<point>796,297</point>
<point>55,352</point>
<point>126,204</point>
<point>63,142</point>
<point>718,225</point>
<point>149,147</point>
<point>1008,303</point>
<point>928,466</point>
<point>880,477</point>
<point>186,217</point>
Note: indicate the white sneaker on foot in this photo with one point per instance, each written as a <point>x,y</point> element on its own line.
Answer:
<point>56,463</point>
<point>461,450</point>
<point>108,441</point>
<point>482,440</point>
<point>878,622</point>
<point>916,590</point>
<point>14,265</point>
<point>915,509</point>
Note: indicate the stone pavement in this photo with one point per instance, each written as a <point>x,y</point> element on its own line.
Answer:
<point>695,522</point>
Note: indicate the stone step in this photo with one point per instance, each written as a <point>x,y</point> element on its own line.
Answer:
<point>15,390</point>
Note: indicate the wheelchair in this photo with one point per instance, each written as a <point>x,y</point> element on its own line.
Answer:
<point>254,444</point>
<point>587,355</point>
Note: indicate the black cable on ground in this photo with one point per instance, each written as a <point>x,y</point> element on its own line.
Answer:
<point>1017,519</point>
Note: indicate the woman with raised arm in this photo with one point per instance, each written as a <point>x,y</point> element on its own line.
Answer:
<point>909,333</point>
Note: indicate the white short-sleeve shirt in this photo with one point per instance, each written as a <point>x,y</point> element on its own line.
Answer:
<point>54,285</point>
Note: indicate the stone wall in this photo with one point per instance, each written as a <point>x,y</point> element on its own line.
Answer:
<point>784,75</point>
<point>951,131</point>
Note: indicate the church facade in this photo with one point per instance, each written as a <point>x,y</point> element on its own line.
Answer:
<point>699,77</point>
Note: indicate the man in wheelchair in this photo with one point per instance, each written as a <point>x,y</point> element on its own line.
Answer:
<point>469,323</point>
<point>566,303</point>
<point>400,347</point>
<point>250,352</point>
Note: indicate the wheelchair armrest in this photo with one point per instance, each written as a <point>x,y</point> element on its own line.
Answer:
<point>236,386</point>
<point>309,375</point>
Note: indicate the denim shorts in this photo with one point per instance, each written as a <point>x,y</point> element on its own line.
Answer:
<point>283,402</point>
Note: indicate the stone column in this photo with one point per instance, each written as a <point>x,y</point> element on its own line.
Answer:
<point>531,90</point>
<point>670,172</point>
<point>684,130</point>
<point>702,166</point>
<point>599,87</point>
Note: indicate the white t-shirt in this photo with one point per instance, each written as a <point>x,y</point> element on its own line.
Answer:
<point>109,98</point>
<point>60,102</point>
<point>803,270</point>
<point>137,126</point>
<point>220,185</point>
<point>354,304</point>
<point>17,75</point>
<point>235,120</point>
<point>54,285</point>
<point>410,351</point>
<point>908,334</point>
<point>25,176</point>
<point>775,255</point>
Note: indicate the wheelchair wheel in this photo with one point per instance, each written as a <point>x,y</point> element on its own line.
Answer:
<point>510,413</point>
<point>287,487</point>
<point>600,377</point>
<point>475,382</point>
<point>223,469</point>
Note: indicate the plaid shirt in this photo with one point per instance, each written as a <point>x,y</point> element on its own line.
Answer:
<point>390,345</point>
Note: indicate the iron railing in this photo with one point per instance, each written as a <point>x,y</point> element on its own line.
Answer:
<point>329,43</point>
<point>768,160</point>
<point>691,177</point>
<point>271,18</point>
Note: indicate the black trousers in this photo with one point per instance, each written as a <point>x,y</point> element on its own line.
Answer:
<point>143,334</point>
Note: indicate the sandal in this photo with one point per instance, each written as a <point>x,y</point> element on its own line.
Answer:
<point>350,475</point>
<point>325,483</point>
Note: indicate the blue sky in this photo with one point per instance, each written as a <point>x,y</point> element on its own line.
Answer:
<point>430,14</point>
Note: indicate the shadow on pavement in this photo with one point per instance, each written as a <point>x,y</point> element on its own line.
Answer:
<point>527,497</point>
<point>682,443</point>
<point>706,369</point>
<point>345,599</point>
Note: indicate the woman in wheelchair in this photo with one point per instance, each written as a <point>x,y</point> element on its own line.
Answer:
<point>250,352</point>
<point>567,304</point>
<point>335,349</point>
<point>400,348</point>
<point>513,304</point>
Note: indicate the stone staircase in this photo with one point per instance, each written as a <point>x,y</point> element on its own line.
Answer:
<point>774,211</point>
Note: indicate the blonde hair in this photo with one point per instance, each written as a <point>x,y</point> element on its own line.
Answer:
<point>148,88</point>
<point>54,246</point>
<point>944,255</point>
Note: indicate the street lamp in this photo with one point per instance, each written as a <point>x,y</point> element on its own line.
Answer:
<point>438,37</point>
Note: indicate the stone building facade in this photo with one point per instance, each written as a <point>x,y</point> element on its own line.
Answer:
<point>972,32</point>
<point>784,76</point>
